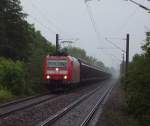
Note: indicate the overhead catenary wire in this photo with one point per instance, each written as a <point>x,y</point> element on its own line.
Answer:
<point>44,26</point>
<point>95,28</point>
<point>92,21</point>
<point>115,45</point>
<point>50,26</point>
<point>50,20</point>
<point>57,29</point>
<point>114,59</point>
<point>35,19</point>
<point>90,14</point>
<point>128,19</point>
<point>140,5</point>
<point>113,56</point>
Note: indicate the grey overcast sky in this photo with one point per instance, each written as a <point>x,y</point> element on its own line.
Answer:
<point>113,20</point>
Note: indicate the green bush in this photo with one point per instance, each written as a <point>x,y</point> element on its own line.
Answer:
<point>12,76</point>
<point>137,85</point>
<point>137,88</point>
<point>5,95</point>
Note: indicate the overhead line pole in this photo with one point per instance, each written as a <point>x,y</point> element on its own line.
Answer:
<point>57,43</point>
<point>123,65</point>
<point>127,52</point>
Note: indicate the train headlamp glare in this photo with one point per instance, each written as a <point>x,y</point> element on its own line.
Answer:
<point>65,77</point>
<point>57,69</point>
<point>48,77</point>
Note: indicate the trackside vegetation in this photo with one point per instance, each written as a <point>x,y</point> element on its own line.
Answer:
<point>81,53</point>
<point>22,49</point>
<point>5,95</point>
<point>137,86</point>
<point>12,76</point>
<point>129,102</point>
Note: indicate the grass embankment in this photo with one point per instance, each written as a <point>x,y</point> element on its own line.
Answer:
<point>6,96</point>
<point>115,112</point>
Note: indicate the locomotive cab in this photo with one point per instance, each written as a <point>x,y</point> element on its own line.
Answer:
<point>63,69</point>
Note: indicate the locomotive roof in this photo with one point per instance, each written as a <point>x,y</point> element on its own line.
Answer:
<point>58,57</point>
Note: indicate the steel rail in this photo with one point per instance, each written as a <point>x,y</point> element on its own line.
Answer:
<point>21,100</point>
<point>101,99</point>
<point>59,114</point>
<point>6,113</point>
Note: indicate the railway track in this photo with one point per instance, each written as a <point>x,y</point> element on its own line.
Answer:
<point>92,112</point>
<point>8,108</point>
<point>52,120</point>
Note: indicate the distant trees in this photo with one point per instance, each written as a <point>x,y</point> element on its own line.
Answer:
<point>137,85</point>
<point>81,53</point>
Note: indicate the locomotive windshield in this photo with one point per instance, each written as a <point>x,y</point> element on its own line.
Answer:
<point>57,63</point>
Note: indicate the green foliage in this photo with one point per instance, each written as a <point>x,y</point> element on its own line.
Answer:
<point>15,38</point>
<point>40,48</point>
<point>5,95</point>
<point>137,86</point>
<point>12,76</point>
<point>81,53</point>
<point>20,41</point>
<point>76,52</point>
<point>146,46</point>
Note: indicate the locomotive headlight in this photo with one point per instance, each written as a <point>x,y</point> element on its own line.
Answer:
<point>48,77</point>
<point>65,77</point>
<point>57,69</point>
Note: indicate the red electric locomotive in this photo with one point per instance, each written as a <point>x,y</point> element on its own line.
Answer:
<point>61,70</point>
<point>64,70</point>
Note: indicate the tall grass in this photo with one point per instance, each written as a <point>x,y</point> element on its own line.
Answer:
<point>5,95</point>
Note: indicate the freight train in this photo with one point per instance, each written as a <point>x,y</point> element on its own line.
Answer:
<point>65,70</point>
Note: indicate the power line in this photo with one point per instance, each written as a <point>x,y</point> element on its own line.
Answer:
<point>39,22</point>
<point>46,18</point>
<point>97,33</point>
<point>113,56</point>
<point>114,60</point>
<point>51,20</point>
<point>115,45</point>
<point>95,28</point>
<point>129,18</point>
<point>108,48</point>
<point>140,5</point>
<point>92,21</point>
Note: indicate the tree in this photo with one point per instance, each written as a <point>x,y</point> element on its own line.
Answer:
<point>3,38</point>
<point>137,85</point>
<point>16,39</point>
<point>40,48</point>
<point>20,41</point>
<point>81,53</point>
<point>146,46</point>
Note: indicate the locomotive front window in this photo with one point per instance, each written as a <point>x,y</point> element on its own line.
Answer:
<point>57,63</point>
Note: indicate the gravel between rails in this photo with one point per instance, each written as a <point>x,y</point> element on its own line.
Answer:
<point>10,108</point>
<point>76,115</point>
<point>21,100</point>
<point>34,115</point>
<point>97,114</point>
